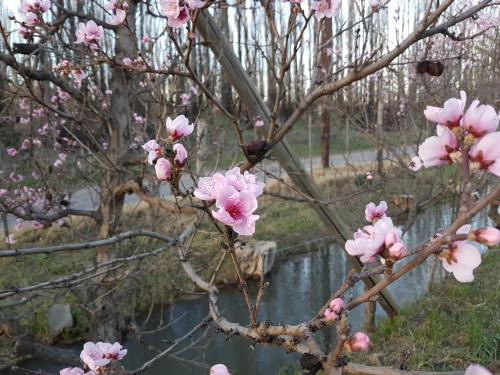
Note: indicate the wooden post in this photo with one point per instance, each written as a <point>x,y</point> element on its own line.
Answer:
<point>283,153</point>
<point>380,136</point>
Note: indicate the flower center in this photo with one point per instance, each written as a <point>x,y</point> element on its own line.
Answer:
<point>234,211</point>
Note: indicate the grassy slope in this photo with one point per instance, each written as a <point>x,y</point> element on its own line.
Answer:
<point>455,324</point>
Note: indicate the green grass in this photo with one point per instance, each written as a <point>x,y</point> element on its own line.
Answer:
<point>453,325</point>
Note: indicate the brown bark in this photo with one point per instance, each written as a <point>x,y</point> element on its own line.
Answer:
<point>380,137</point>
<point>325,67</point>
<point>107,320</point>
<point>225,86</point>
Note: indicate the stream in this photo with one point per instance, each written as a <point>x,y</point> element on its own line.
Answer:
<point>299,286</point>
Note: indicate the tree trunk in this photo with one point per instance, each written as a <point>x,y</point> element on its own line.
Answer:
<point>325,68</point>
<point>108,319</point>
<point>225,86</point>
<point>380,137</point>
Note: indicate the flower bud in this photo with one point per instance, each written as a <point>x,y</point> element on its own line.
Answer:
<point>359,342</point>
<point>180,155</point>
<point>330,315</point>
<point>336,305</point>
<point>219,370</point>
<point>397,251</point>
<point>486,236</point>
<point>163,169</point>
<point>390,239</point>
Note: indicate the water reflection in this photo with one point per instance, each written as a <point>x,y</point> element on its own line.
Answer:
<point>298,288</point>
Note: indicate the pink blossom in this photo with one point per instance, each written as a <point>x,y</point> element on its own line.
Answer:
<point>193,4</point>
<point>180,155</point>
<point>118,17</point>
<point>112,351</point>
<point>119,9</point>
<point>138,63</point>
<point>374,213</point>
<point>89,33</point>
<point>146,39</point>
<point>480,119</point>
<point>245,181</point>
<point>485,154</point>
<point>163,169</point>
<point>477,370</point>
<point>359,342</point>
<point>415,164</point>
<point>181,19</point>
<point>208,186</point>
<point>461,258</point>
<point>325,8</point>
<point>34,6</point>
<point>259,123</point>
<point>206,190</point>
<point>11,151</point>
<point>185,98</point>
<point>236,209</point>
<point>25,32</point>
<point>374,4</point>
<point>440,149</point>
<point>334,309</point>
<point>488,236</point>
<point>78,76</point>
<point>451,113</point>
<point>153,149</point>
<point>179,127</point>
<point>330,315</point>
<point>219,369</point>
<point>170,8</point>
<point>397,251</point>
<point>336,305</point>
<point>93,357</point>
<point>138,119</point>
<point>31,19</point>
<point>72,371</point>
<point>371,240</point>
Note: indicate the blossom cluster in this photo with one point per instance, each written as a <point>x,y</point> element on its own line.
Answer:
<point>329,8</point>
<point>381,238</point>
<point>32,11</point>
<point>169,164</point>
<point>470,133</point>
<point>134,64</point>
<point>119,9</point>
<point>177,12</point>
<point>325,8</point>
<point>75,73</point>
<point>235,196</point>
<point>95,357</point>
<point>335,307</point>
<point>89,34</point>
